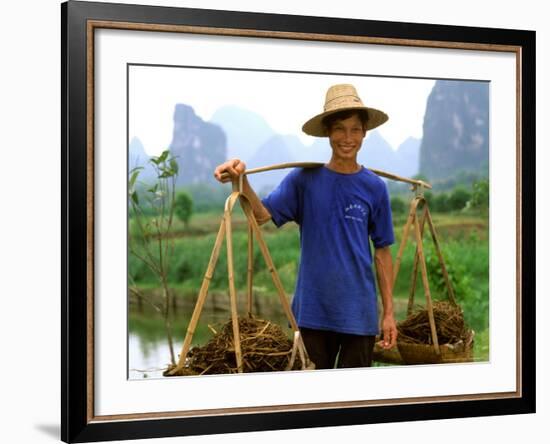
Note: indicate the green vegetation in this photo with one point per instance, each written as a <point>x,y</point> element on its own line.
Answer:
<point>464,243</point>
<point>481,346</point>
<point>462,192</point>
<point>207,197</point>
<point>183,206</point>
<point>398,205</point>
<point>458,198</point>
<point>192,253</point>
<point>480,195</point>
<point>467,269</point>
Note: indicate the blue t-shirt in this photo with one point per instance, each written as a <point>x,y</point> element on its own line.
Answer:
<point>337,214</point>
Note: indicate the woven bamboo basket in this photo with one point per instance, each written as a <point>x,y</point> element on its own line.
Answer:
<point>390,356</point>
<point>461,351</point>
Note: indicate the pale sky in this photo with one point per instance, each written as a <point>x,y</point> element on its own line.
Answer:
<point>285,100</point>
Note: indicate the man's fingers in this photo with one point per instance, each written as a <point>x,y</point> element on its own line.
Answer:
<point>229,170</point>
<point>392,337</point>
<point>393,341</point>
<point>239,167</point>
<point>387,338</point>
<point>231,167</point>
<point>218,175</point>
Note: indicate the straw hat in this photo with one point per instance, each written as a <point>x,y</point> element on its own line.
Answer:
<point>340,98</point>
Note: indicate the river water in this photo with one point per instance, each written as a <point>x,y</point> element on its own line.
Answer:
<point>148,350</point>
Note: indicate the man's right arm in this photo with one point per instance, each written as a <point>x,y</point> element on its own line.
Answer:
<point>234,168</point>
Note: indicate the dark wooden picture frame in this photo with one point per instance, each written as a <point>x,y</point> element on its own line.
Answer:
<point>79,21</point>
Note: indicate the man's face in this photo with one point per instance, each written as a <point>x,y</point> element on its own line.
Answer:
<point>346,137</point>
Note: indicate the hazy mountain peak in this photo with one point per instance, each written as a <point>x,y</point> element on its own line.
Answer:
<point>456,129</point>
<point>409,141</point>
<point>246,130</point>
<point>200,146</point>
<point>409,156</point>
<point>235,114</point>
<point>137,157</point>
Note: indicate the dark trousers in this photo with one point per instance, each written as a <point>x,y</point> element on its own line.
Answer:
<point>324,347</point>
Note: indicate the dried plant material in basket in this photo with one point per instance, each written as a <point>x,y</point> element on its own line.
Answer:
<point>454,337</point>
<point>264,347</point>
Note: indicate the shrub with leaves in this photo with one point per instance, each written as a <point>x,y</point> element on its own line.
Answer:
<point>398,205</point>
<point>458,198</point>
<point>440,202</point>
<point>480,194</point>
<point>184,206</point>
<point>148,239</point>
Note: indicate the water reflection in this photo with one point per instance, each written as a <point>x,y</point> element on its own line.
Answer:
<point>148,350</point>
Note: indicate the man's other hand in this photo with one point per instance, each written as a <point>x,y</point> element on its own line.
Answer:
<point>389,333</point>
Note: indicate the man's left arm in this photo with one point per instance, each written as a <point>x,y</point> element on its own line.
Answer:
<point>384,274</point>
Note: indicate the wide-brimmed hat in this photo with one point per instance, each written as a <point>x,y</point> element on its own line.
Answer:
<point>340,98</point>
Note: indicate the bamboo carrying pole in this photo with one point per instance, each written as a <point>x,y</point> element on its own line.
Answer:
<point>281,166</point>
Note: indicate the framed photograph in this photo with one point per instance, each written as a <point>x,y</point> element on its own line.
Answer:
<point>163,266</point>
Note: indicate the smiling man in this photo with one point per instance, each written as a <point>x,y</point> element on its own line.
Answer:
<point>340,208</point>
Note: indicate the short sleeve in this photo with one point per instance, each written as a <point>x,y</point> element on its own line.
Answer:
<point>381,224</point>
<point>283,203</point>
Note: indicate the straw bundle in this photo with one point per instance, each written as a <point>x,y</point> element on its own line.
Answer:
<point>449,322</point>
<point>264,346</point>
